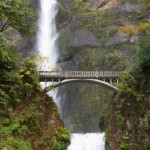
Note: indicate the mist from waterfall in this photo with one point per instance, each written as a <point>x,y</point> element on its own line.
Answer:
<point>47,35</point>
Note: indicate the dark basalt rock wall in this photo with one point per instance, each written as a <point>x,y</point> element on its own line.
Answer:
<point>91,39</point>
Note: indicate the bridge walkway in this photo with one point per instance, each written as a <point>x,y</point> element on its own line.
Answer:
<point>57,76</point>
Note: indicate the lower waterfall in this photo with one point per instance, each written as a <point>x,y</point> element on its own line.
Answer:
<point>88,141</point>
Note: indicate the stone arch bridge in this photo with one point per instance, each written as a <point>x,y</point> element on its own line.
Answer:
<point>109,79</point>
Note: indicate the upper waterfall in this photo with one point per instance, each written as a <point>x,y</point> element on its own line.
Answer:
<point>47,35</point>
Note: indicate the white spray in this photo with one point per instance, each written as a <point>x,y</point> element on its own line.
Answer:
<point>89,141</point>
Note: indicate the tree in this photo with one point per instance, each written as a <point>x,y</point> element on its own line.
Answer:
<point>143,55</point>
<point>16,14</point>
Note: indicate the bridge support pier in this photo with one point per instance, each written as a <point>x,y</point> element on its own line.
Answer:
<point>117,82</point>
<point>59,80</point>
<point>111,81</point>
<point>45,83</point>
<point>52,81</point>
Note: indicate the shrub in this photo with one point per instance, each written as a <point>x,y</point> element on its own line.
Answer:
<point>141,28</point>
<point>143,55</point>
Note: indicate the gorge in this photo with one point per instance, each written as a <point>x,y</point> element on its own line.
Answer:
<point>112,45</point>
<point>77,36</point>
<point>47,47</point>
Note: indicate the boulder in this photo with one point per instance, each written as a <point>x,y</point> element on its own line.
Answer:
<point>83,37</point>
<point>134,39</point>
<point>95,4</point>
<point>129,7</point>
<point>118,38</point>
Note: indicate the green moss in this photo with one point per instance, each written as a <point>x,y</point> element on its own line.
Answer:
<point>20,119</point>
<point>120,120</point>
<point>62,15</point>
<point>116,60</point>
<point>63,41</point>
<point>61,139</point>
<point>12,143</point>
<point>80,6</point>
<point>97,20</point>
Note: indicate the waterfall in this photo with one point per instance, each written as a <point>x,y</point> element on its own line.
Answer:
<point>47,35</point>
<point>89,141</point>
<point>47,48</point>
<point>46,39</point>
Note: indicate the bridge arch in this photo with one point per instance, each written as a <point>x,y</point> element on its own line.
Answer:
<point>68,81</point>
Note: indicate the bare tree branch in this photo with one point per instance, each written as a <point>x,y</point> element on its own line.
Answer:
<point>5,26</point>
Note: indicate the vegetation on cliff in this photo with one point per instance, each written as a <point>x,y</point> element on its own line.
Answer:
<point>117,26</point>
<point>28,117</point>
<point>130,116</point>
<point>129,120</point>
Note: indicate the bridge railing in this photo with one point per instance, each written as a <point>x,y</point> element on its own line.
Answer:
<point>80,74</point>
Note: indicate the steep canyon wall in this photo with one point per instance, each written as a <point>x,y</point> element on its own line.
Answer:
<point>91,39</point>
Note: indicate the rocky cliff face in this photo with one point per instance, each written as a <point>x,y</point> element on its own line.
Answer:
<point>96,35</point>
<point>27,45</point>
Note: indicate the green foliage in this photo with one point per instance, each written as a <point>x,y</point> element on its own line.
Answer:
<point>12,143</point>
<point>116,61</point>
<point>129,84</point>
<point>20,91</point>
<point>8,129</point>
<point>31,118</point>
<point>19,85</point>
<point>62,14</point>
<point>23,130</point>
<point>61,139</point>
<point>15,13</point>
<point>142,28</point>
<point>120,120</point>
<point>26,77</point>
<point>63,41</point>
<point>128,81</point>
<point>125,142</point>
<point>131,105</point>
<point>124,145</point>
<point>144,122</point>
<point>80,6</point>
<point>147,115</point>
<point>29,75</point>
<point>143,55</point>
<point>96,21</point>
<point>6,55</point>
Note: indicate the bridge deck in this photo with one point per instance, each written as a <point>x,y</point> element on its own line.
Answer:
<point>55,76</point>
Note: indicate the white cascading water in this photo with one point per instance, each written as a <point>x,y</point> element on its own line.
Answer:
<point>47,48</point>
<point>46,40</point>
<point>89,141</point>
<point>47,35</point>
